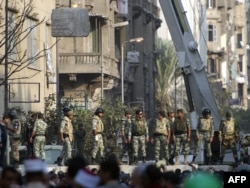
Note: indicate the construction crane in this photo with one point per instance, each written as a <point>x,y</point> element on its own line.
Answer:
<point>198,90</point>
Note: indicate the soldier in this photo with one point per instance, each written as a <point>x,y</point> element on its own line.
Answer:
<point>161,136</point>
<point>139,135</point>
<point>80,138</point>
<point>126,146</point>
<point>228,134</point>
<point>28,132</point>
<point>15,136</point>
<point>66,133</point>
<point>97,130</point>
<point>181,135</point>
<point>39,132</point>
<point>205,132</point>
<point>245,143</point>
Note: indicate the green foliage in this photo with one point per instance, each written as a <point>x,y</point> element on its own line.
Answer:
<point>113,113</point>
<point>243,119</point>
<point>167,72</point>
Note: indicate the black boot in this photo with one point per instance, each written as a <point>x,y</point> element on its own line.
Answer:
<point>59,161</point>
<point>193,160</point>
<point>208,161</point>
<point>221,160</point>
<point>171,160</point>
<point>167,162</point>
<point>93,162</point>
<point>236,161</point>
<point>135,161</point>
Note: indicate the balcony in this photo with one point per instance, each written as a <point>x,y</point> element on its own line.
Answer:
<point>87,63</point>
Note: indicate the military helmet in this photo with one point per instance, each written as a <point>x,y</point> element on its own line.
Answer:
<point>229,113</point>
<point>12,113</point>
<point>138,112</point>
<point>99,110</point>
<point>67,111</point>
<point>202,179</point>
<point>206,111</point>
<point>128,111</point>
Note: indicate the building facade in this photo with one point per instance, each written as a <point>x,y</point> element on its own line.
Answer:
<point>30,58</point>
<point>88,67</point>
<point>227,49</point>
<point>140,77</point>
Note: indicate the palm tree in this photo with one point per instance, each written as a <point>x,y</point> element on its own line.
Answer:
<point>167,72</point>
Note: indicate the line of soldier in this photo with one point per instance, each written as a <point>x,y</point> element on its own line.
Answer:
<point>169,133</point>
<point>173,134</point>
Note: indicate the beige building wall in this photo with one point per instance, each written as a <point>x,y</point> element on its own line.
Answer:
<point>87,65</point>
<point>29,87</point>
<point>227,53</point>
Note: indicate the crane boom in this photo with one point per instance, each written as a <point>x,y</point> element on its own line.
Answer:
<point>197,86</point>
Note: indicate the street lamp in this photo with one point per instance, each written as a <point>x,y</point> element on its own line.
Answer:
<point>136,40</point>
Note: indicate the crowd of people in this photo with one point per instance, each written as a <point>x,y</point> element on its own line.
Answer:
<point>107,175</point>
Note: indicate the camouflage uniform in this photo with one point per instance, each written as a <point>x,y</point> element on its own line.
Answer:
<point>138,133</point>
<point>245,143</point>
<point>40,128</point>
<point>126,147</point>
<point>229,131</point>
<point>181,127</point>
<point>161,134</point>
<point>15,139</point>
<point>205,131</point>
<point>66,128</point>
<point>98,126</point>
<point>80,138</point>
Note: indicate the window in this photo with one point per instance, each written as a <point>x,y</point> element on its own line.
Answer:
<point>211,4</point>
<point>211,66</point>
<point>240,64</point>
<point>239,40</point>
<point>12,42</point>
<point>240,90</point>
<point>31,41</point>
<point>95,25</point>
<point>211,33</point>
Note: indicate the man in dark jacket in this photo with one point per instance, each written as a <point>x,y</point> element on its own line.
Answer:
<point>3,138</point>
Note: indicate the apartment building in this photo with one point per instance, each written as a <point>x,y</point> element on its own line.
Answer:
<point>227,49</point>
<point>30,58</point>
<point>88,68</point>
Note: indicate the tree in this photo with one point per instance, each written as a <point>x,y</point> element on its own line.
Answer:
<point>13,33</point>
<point>167,72</point>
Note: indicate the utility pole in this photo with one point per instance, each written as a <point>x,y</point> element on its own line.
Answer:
<point>6,58</point>
<point>6,100</point>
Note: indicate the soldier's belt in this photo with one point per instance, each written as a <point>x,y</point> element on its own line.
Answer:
<point>159,134</point>
<point>204,131</point>
<point>40,134</point>
<point>137,134</point>
<point>99,133</point>
<point>65,135</point>
<point>180,132</point>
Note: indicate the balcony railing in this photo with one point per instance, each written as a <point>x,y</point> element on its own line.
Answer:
<point>79,58</point>
<point>81,63</point>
